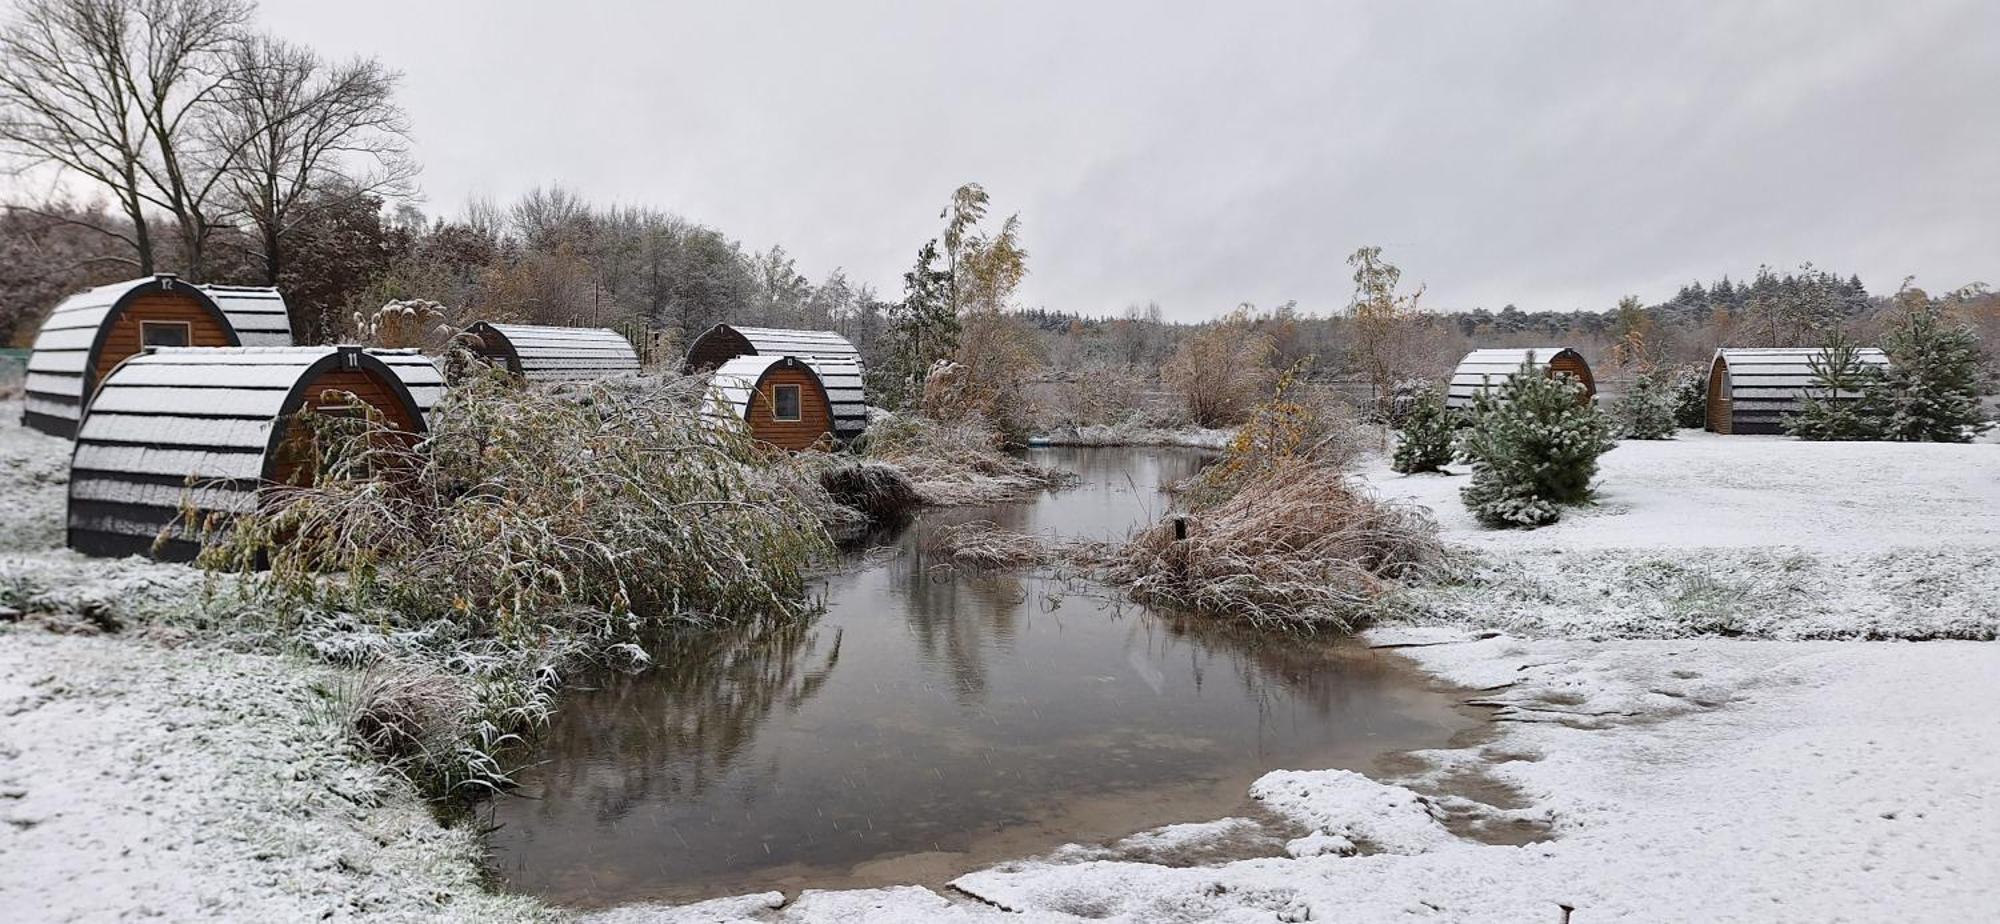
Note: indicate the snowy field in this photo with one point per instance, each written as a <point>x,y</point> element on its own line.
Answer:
<point>1665,770</point>
<point>1752,536</point>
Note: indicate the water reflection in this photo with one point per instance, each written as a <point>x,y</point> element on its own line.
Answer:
<point>931,712</point>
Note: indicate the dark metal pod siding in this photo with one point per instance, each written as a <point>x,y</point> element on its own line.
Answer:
<point>204,425</point>
<point>541,353</point>
<point>1483,370</point>
<point>832,356</point>
<point>1754,390</point>
<point>90,332</point>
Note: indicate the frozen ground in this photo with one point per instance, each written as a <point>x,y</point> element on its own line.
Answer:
<point>1753,536</point>
<point>1132,434</point>
<point>150,773</point>
<point>183,784</point>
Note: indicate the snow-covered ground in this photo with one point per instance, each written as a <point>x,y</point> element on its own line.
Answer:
<point>190,784</point>
<point>1663,777</point>
<point>1753,536</point>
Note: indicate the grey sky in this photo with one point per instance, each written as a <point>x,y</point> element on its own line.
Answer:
<point>1553,155</point>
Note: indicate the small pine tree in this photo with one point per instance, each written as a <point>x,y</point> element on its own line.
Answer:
<point>1842,402</point>
<point>1647,411</point>
<point>1931,391</point>
<point>1533,444</point>
<point>1691,397</point>
<point>1425,443</point>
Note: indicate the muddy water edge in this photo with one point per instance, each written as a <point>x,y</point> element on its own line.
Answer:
<point>933,721</point>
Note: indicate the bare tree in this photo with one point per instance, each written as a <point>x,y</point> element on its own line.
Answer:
<point>64,102</point>
<point>301,135</point>
<point>114,90</point>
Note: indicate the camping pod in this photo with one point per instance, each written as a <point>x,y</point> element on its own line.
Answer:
<point>832,356</point>
<point>1486,370</point>
<point>541,353</point>
<point>1753,391</point>
<point>780,398</point>
<point>212,427</point>
<point>92,331</point>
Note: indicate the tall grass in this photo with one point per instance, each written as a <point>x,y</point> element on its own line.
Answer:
<point>531,530</point>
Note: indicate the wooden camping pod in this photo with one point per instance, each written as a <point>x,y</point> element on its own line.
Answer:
<point>210,427</point>
<point>1754,390</point>
<point>91,332</point>
<point>541,353</point>
<point>780,398</point>
<point>1483,370</point>
<point>832,357</point>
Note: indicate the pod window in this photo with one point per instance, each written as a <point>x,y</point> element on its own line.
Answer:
<point>165,333</point>
<point>785,403</point>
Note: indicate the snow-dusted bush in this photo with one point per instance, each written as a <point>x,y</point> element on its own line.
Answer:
<point>1429,431</point>
<point>531,530</point>
<point>1844,401</point>
<point>1295,543</point>
<point>1931,390</point>
<point>1646,412</point>
<point>523,504</point>
<point>1690,388</point>
<point>954,463</point>
<point>1533,444</point>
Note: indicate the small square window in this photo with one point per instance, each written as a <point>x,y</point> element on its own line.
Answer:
<point>164,333</point>
<point>785,403</point>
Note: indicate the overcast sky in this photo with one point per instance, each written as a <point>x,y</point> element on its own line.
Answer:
<point>1552,155</point>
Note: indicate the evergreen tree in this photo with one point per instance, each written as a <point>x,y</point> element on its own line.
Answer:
<point>1931,391</point>
<point>923,329</point>
<point>1425,443</point>
<point>1691,397</point>
<point>1647,411</point>
<point>1533,444</point>
<point>1842,402</point>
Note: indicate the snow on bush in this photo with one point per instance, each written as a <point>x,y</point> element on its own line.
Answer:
<point>1425,441</point>
<point>1533,445</point>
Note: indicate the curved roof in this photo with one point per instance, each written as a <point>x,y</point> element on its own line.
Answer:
<point>1483,370</point>
<point>780,341</point>
<point>200,423</point>
<point>63,349</point>
<point>543,353</point>
<point>1783,367</point>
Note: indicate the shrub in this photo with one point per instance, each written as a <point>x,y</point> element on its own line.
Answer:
<point>1300,543</point>
<point>954,463</point>
<point>1646,412</point>
<point>524,504</point>
<point>1425,444</point>
<point>1533,445</point>
<point>1843,402</point>
<point>1219,370</point>
<point>1690,387</point>
<point>1931,391</point>
<point>1285,427</point>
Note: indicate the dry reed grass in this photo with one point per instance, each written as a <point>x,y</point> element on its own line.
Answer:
<point>1299,544</point>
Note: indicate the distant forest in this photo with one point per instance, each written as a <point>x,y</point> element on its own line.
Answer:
<point>244,158</point>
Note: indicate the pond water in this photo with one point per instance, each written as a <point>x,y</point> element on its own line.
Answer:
<point>933,721</point>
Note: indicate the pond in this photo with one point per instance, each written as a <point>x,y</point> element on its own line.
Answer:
<point>932,722</point>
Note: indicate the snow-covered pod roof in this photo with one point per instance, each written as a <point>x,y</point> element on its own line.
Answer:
<point>1754,390</point>
<point>1482,370</point>
<point>724,342</point>
<point>542,353</point>
<point>746,389</point>
<point>831,355</point>
<point>206,425</point>
<point>92,331</point>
